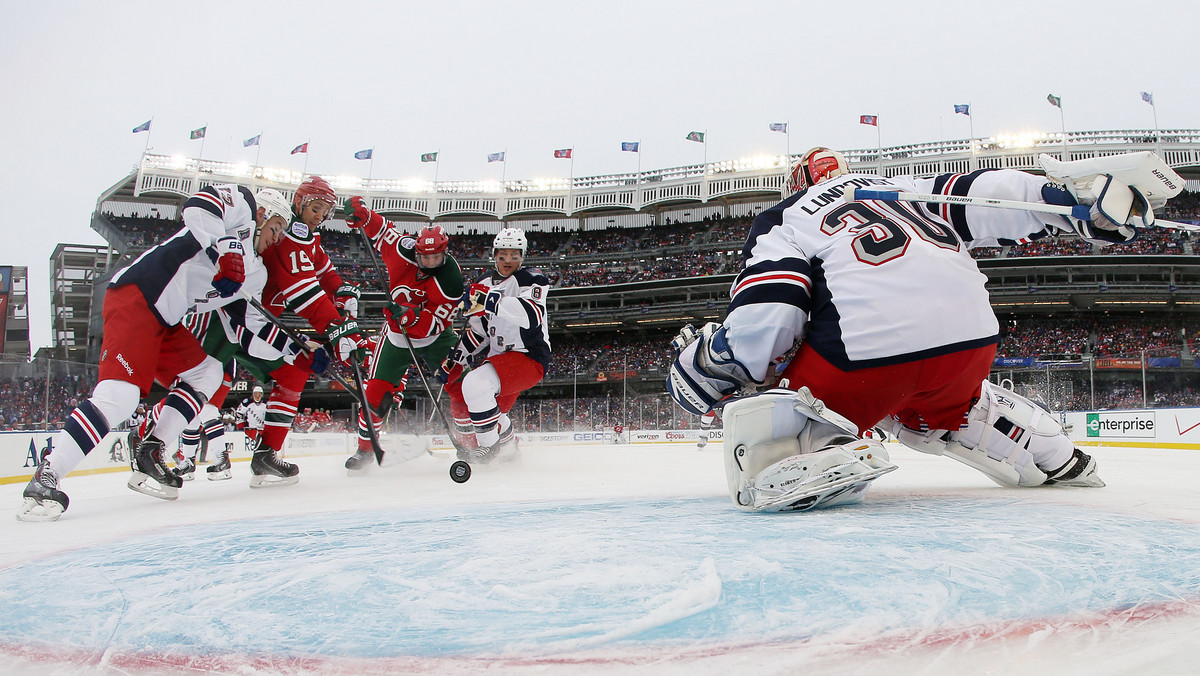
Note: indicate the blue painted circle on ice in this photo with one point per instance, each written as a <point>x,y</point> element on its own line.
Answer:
<point>544,578</point>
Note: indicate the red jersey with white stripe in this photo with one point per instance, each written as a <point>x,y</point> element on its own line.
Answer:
<point>874,283</point>
<point>301,278</point>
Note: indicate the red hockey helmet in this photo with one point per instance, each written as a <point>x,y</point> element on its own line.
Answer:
<point>314,188</point>
<point>816,165</point>
<point>431,240</point>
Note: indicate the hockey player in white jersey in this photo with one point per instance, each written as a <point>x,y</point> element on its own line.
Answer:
<point>144,341</point>
<point>506,317</point>
<point>253,414</point>
<point>895,326</point>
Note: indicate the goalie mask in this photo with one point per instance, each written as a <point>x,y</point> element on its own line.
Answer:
<point>816,165</point>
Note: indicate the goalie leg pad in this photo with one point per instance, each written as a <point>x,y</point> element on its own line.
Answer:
<point>1013,441</point>
<point>765,431</point>
<point>838,475</point>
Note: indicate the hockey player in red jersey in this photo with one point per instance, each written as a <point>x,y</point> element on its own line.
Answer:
<point>301,278</point>
<point>896,326</point>
<point>144,340</point>
<point>506,318</point>
<point>425,286</point>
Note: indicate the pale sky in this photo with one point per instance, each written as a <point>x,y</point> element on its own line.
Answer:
<point>469,78</point>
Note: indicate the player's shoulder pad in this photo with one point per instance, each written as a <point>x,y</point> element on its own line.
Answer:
<point>450,277</point>
<point>531,277</point>
<point>299,231</point>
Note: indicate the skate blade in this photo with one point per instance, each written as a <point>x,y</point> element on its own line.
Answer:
<point>190,476</point>
<point>270,480</point>
<point>220,476</point>
<point>144,484</point>
<point>33,511</point>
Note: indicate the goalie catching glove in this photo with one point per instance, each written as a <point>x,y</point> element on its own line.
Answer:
<point>705,370</point>
<point>346,340</point>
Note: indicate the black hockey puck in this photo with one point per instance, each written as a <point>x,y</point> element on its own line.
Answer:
<point>460,472</point>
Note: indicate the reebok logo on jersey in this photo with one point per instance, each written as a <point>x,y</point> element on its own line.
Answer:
<point>121,359</point>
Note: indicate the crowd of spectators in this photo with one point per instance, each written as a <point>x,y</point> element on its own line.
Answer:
<point>27,403</point>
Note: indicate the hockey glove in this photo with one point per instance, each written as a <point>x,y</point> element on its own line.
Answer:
<point>346,300</point>
<point>346,340</point>
<point>359,216</point>
<point>316,361</point>
<point>705,372</point>
<point>452,367</point>
<point>399,317</point>
<point>491,304</point>
<point>1115,214</point>
<point>231,266</point>
<point>476,297</point>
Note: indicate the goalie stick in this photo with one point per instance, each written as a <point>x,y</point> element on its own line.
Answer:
<point>299,340</point>
<point>1079,211</point>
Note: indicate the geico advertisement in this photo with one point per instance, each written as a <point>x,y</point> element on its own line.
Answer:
<point>1138,425</point>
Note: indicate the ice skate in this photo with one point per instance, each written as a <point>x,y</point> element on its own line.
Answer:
<point>268,469</point>
<point>221,469</point>
<point>151,476</point>
<point>506,449</point>
<point>43,501</point>
<point>1080,470</point>
<point>361,462</point>
<point>185,468</point>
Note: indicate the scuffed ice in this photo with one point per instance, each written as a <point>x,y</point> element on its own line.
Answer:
<point>536,579</point>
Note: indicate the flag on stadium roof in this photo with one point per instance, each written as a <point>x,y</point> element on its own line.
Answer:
<point>629,146</point>
<point>565,152</point>
<point>1054,101</point>
<point>364,154</point>
<point>302,148</point>
<point>962,109</point>
<point>697,136</point>
<point>496,157</point>
<point>251,141</point>
<point>1146,96</point>
<point>779,126</point>
<point>198,133</point>
<point>145,126</point>
<point>872,120</point>
<point>429,157</point>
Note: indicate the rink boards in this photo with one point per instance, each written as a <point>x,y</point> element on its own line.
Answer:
<point>1176,428</point>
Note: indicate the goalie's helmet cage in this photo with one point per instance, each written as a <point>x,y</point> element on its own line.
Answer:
<point>314,188</point>
<point>816,165</point>
<point>510,238</point>
<point>431,240</point>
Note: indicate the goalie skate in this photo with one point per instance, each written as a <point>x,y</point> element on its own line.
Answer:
<point>838,475</point>
<point>150,475</point>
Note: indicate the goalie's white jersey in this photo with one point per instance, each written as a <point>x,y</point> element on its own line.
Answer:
<point>875,283</point>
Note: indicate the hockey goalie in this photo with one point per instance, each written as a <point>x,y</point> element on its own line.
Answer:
<point>894,327</point>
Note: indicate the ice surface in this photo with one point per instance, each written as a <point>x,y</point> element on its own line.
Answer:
<point>608,560</point>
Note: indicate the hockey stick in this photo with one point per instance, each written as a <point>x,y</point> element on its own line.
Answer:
<point>299,340</point>
<point>1079,211</point>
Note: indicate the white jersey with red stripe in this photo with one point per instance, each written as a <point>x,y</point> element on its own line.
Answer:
<point>178,273</point>
<point>875,283</point>
<point>519,323</point>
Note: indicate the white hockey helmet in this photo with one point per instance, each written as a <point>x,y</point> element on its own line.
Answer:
<point>274,204</point>
<point>510,238</point>
<point>258,389</point>
<point>816,165</point>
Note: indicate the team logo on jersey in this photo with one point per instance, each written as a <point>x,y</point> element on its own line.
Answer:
<point>407,242</point>
<point>243,233</point>
<point>226,196</point>
<point>300,229</point>
<point>409,295</point>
